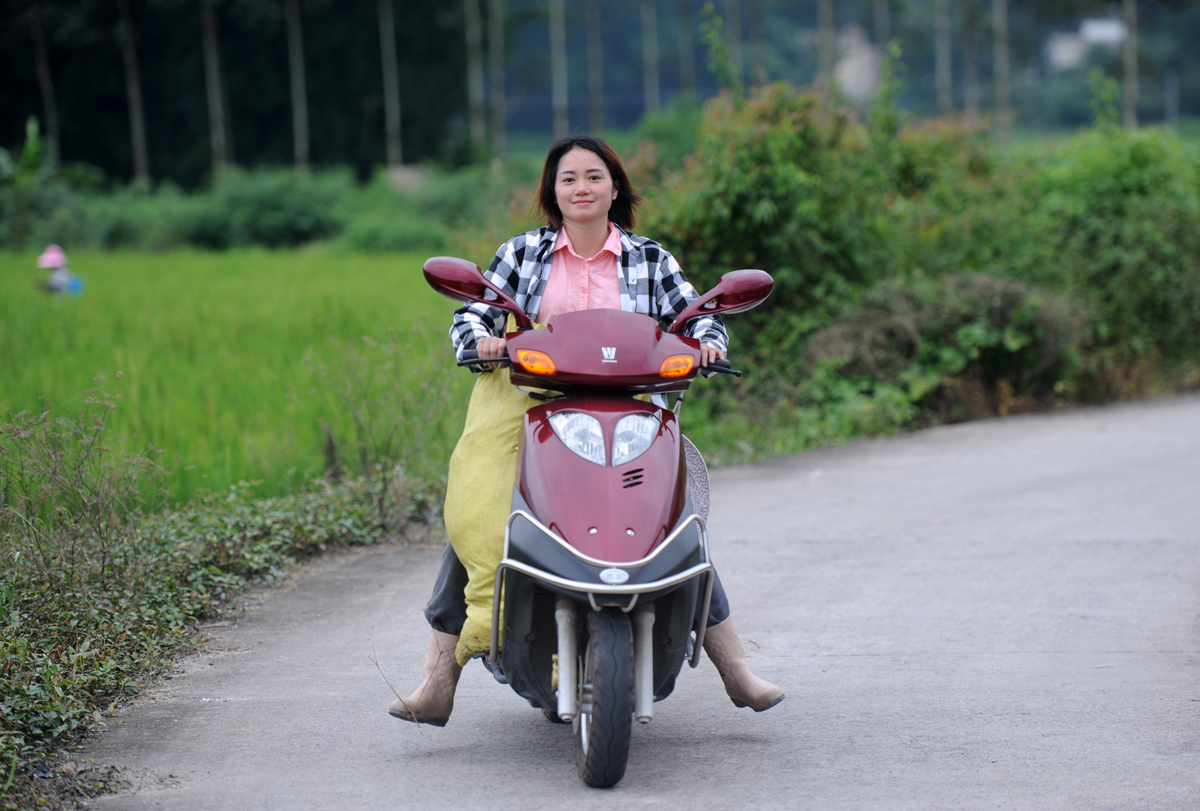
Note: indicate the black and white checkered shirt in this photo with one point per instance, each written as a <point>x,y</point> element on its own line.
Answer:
<point>651,283</point>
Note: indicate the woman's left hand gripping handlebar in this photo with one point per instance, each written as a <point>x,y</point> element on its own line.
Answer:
<point>492,347</point>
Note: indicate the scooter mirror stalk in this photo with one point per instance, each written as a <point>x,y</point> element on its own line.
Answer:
<point>735,292</point>
<point>464,281</point>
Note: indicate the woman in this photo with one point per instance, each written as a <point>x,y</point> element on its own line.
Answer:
<point>585,257</point>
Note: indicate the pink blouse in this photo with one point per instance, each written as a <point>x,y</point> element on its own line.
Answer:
<point>576,283</point>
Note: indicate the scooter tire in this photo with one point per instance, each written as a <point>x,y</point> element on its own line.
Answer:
<point>604,724</point>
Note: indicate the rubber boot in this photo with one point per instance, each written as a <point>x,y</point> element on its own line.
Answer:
<point>433,701</point>
<point>723,647</point>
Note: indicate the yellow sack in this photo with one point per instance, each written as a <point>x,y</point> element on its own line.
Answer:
<point>479,490</point>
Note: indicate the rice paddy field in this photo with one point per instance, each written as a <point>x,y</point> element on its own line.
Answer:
<point>207,352</point>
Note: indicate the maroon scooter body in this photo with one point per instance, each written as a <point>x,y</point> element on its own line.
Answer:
<point>599,359</point>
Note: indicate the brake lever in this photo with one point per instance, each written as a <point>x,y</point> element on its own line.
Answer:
<point>723,367</point>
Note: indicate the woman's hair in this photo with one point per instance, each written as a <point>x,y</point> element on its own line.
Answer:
<point>622,210</point>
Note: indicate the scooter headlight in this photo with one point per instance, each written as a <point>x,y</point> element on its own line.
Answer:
<point>633,436</point>
<point>581,433</point>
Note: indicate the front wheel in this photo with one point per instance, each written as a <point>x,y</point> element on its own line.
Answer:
<point>603,726</point>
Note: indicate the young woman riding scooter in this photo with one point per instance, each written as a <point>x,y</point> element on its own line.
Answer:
<point>584,258</point>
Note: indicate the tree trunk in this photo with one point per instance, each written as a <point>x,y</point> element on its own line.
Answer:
<point>1131,65</point>
<point>1171,97</point>
<point>883,23</point>
<point>733,29</point>
<point>295,37</point>
<point>558,68</point>
<point>687,46</point>
<point>758,54</point>
<point>391,84</point>
<point>496,57</point>
<point>475,76</point>
<point>41,54</point>
<point>595,65</point>
<point>133,94</point>
<point>826,43</point>
<point>970,51</point>
<point>212,84</point>
<point>650,82</point>
<point>941,23</point>
<point>1000,59</point>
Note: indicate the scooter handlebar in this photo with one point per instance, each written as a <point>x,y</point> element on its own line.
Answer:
<point>471,359</point>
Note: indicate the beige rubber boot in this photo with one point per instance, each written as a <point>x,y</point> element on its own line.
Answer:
<point>723,647</point>
<point>434,699</point>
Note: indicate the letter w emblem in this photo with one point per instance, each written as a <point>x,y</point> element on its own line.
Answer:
<point>610,354</point>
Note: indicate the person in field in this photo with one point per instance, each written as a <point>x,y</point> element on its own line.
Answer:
<point>585,257</point>
<point>59,278</point>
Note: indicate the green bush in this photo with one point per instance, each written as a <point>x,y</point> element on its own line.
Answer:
<point>95,594</point>
<point>275,208</point>
<point>783,182</point>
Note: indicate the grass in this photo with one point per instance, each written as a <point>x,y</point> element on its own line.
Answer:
<point>210,350</point>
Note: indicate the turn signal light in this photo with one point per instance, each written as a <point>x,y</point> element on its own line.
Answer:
<point>537,362</point>
<point>676,366</point>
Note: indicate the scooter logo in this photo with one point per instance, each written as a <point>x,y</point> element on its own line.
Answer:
<point>610,354</point>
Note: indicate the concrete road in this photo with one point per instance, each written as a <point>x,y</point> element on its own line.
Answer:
<point>1002,614</point>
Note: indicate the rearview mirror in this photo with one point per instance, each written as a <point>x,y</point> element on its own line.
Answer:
<point>735,292</point>
<point>464,281</point>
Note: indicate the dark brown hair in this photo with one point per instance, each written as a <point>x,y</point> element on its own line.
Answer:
<point>622,210</point>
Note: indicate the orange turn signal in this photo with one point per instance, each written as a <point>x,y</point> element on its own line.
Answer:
<point>676,366</point>
<point>537,362</point>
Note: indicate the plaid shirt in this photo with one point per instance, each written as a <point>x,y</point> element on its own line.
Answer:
<point>651,283</point>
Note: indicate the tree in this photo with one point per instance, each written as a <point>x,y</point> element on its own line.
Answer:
<point>474,31</point>
<point>1130,72</point>
<point>883,23</point>
<point>733,30</point>
<point>496,56</point>
<point>558,68</point>
<point>212,84</point>
<point>45,83</point>
<point>391,84</point>
<point>758,63</point>
<point>826,42</point>
<point>942,26</point>
<point>687,46</point>
<point>1000,64</point>
<point>970,51</point>
<point>595,65</point>
<point>295,40</point>
<point>133,95</point>
<point>650,82</point>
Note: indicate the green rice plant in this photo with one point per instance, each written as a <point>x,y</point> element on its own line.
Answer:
<point>212,350</point>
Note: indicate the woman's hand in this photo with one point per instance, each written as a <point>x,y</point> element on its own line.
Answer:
<point>491,347</point>
<point>709,353</point>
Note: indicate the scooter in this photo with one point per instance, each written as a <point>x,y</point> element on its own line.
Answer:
<point>605,580</point>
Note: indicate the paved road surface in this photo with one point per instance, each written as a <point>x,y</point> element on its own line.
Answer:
<point>1003,614</point>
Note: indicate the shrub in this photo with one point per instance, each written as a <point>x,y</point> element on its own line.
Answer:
<point>95,594</point>
<point>783,182</point>
<point>961,346</point>
<point>1121,213</point>
<point>275,208</point>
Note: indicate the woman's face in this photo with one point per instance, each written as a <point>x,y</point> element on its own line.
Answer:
<point>583,187</point>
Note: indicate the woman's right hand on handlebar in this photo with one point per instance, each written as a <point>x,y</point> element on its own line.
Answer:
<point>491,347</point>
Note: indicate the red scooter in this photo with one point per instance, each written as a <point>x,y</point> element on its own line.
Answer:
<point>605,578</point>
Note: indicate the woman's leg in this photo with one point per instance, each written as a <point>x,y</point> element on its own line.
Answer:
<point>433,701</point>
<point>725,650</point>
